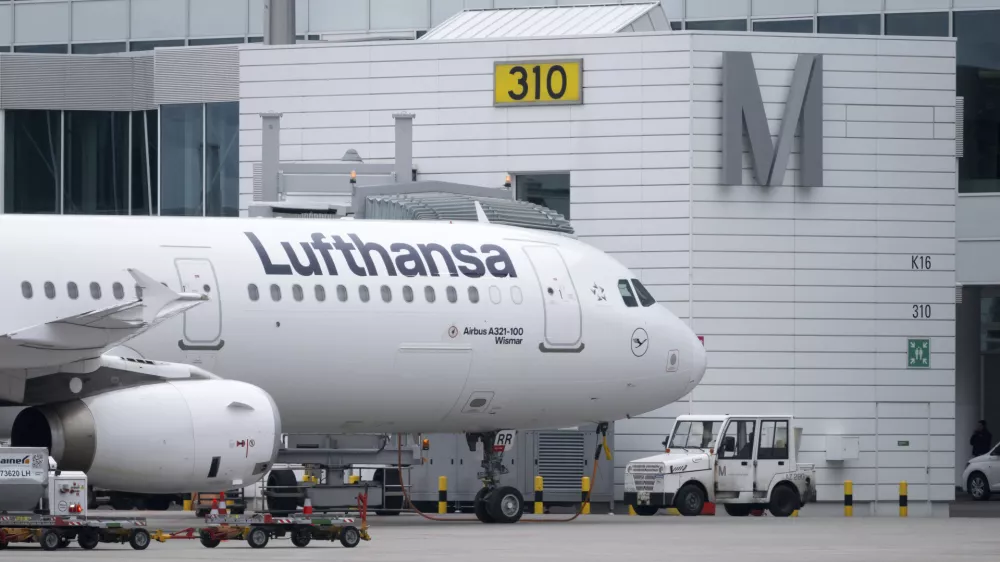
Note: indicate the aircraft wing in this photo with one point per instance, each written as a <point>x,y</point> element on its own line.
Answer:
<point>56,345</point>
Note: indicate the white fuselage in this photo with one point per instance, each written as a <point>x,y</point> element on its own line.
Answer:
<point>510,354</point>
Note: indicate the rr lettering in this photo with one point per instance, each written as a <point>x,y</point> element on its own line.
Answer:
<point>504,439</point>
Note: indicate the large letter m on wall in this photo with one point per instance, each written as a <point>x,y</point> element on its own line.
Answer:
<point>742,106</point>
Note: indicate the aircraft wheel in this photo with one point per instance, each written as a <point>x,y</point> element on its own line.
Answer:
<point>506,505</point>
<point>257,538</point>
<point>285,481</point>
<point>690,500</point>
<point>350,537</point>
<point>481,506</point>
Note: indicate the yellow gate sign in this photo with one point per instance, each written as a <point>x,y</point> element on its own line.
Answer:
<point>538,82</point>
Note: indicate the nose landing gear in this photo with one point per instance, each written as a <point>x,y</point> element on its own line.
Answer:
<point>494,503</point>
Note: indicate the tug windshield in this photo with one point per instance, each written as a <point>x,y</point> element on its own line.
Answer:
<point>695,434</point>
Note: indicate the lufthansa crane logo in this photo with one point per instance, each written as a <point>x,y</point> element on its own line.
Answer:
<point>640,342</point>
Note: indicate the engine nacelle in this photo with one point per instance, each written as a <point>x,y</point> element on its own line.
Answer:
<point>164,438</point>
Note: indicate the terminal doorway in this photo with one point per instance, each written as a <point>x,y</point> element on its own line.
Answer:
<point>546,189</point>
<point>977,369</point>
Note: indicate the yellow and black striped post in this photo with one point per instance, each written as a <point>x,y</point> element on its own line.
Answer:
<point>585,492</point>
<point>539,490</point>
<point>442,494</point>
<point>848,498</point>
<point>902,499</point>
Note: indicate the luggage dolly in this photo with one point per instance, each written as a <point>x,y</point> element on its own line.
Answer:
<point>54,532</point>
<point>257,529</point>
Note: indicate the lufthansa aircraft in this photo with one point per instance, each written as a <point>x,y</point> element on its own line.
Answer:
<point>156,353</point>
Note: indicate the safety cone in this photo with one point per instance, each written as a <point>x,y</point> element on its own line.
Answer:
<point>308,508</point>
<point>215,506</point>
<point>222,503</point>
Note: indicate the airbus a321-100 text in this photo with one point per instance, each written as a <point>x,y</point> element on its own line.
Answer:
<point>145,347</point>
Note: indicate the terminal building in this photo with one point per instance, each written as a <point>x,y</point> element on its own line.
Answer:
<point>812,185</point>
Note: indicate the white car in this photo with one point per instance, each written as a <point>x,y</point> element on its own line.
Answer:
<point>982,474</point>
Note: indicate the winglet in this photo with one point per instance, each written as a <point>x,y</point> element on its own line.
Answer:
<point>156,296</point>
<point>480,213</point>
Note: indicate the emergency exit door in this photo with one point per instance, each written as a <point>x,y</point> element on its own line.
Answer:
<point>203,323</point>
<point>562,307</point>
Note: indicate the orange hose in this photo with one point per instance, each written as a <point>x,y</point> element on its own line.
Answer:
<point>406,495</point>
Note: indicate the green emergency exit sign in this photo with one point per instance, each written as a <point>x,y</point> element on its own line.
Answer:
<point>918,354</point>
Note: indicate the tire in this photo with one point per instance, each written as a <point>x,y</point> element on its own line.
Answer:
<point>209,542</point>
<point>258,537</point>
<point>285,480</point>
<point>506,505</point>
<point>481,506</point>
<point>51,540</point>
<point>645,510</point>
<point>301,537</point>
<point>738,509</point>
<point>690,500</point>
<point>979,486</point>
<point>350,536</point>
<point>88,540</point>
<point>139,539</point>
<point>784,501</point>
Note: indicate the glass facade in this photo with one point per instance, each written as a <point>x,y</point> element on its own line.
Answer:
<point>107,163</point>
<point>784,26</point>
<point>978,81</point>
<point>927,24</point>
<point>861,24</point>
<point>33,161</point>
<point>718,25</point>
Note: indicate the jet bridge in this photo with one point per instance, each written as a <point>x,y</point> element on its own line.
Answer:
<point>352,188</point>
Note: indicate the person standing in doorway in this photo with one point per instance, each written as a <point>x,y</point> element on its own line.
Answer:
<point>981,440</point>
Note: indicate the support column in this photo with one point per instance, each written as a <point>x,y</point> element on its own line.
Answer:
<point>279,22</point>
<point>270,154</point>
<point>404,147</point>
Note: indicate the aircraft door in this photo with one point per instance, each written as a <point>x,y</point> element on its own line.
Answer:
<point>563,323</point>
<point>203,323</point>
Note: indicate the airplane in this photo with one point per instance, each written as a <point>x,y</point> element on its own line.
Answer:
<point>167,354</point>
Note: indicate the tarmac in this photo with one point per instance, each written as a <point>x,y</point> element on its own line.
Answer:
<point>409,538</point>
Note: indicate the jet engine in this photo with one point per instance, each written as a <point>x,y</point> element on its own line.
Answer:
<point>163,438</point>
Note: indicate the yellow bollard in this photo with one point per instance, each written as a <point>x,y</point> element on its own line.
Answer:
<point>902,499</point>
<point>442,494</point>
<point>539,490</point>
<point>187,505</point>
<point>631,510</point>
<point>585,496</point>
<point>848,498</point>
<point>354,479</point>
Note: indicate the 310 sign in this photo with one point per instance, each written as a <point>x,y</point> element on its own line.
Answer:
<point>538,82</point>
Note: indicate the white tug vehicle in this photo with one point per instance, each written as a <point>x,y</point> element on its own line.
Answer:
<point>743,463</point>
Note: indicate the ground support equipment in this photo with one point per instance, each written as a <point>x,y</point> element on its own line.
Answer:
<point>53,532</point>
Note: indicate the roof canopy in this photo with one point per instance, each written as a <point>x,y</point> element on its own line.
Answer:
<point>554,21</point>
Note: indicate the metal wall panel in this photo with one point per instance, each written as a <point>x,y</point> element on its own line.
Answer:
<point>197,75</point>
<point>159,19</point>
<point>100,20</point>
<point>110,83</point>
<point>41,23</point>
<point>218,18</point>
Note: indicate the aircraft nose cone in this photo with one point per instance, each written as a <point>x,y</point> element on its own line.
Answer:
<point>699,362</point>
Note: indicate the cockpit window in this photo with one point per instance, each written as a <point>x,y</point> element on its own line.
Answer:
<point>695,434</point>
<point>644,297</point>
<point>626,292</point>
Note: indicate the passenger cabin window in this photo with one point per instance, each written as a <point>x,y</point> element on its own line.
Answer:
<point>341,293</point>
<point>473,295</point>
<point>118,290</point>
<point>26,289</point>
<point>95,290</point>
<point>50,290</point>
<point>773,440</point>
<point>429,293</point>
<point>297,293</point>
<point>275,293</point>
<point>515,295</point>
<point>452,294</point>
<point>253,292</point>
<point>320,293</point>
<point>363,293</point>
<point>645,298</point>
<point>72,290</point>
<point>494,294</point>
<point>407,293</point>
<point>386,293</point>
<point>626,292</point>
